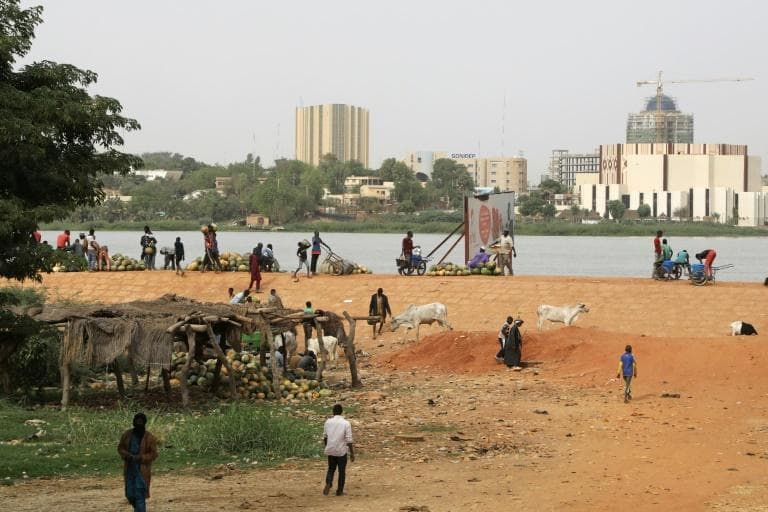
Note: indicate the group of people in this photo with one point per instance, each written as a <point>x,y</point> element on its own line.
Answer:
<point>138,449</point>
<point>173,255</point>
<point>84,248</point>
<point>301,253</point>
<point>662,251</point>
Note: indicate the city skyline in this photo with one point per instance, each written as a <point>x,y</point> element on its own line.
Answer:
<point>217,84</point>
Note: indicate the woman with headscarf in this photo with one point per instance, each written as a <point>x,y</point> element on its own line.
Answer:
<point>316,243</point>
<point>138,449</point>
<point>255,262</point>
<point>513,345</point>
<point>148,248</point>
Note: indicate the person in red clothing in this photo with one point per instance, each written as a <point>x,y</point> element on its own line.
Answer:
<point>708,255</point>
<point>255,261</point>
<point>658,258</point>
<point>62,241</point>
<point>408,246</point>
<point>37,235</point>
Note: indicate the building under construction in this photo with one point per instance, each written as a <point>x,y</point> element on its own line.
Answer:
<point>666,124</point>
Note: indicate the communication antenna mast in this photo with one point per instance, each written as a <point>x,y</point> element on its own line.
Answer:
<point>277,143</point>
<point>503,123</point>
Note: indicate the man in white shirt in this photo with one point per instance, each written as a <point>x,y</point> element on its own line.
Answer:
<point>240,297</point>
<point>337,438</point>
<point>506,252</point>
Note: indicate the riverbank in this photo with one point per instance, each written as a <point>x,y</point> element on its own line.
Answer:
<point>472,301</point>
<point>553,228</point>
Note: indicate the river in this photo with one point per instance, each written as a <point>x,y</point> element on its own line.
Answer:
<point>537,255</point>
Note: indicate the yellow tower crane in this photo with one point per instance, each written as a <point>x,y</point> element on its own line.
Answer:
<point>659,83</point>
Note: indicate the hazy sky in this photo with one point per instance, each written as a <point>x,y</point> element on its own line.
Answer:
<point>205,77</point>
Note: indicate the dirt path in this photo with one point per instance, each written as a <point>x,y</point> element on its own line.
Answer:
<point>555,436</point>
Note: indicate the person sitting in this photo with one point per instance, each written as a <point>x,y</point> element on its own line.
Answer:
<point>280,357</point>
<point>308,362</point>
<point>241,297</point>
<point>478,259</point>
<point>267,258</point>
<point>708,255</point>
<point>683,260</point>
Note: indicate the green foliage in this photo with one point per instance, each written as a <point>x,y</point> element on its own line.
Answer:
<point>56,140</point>
<point>616,208</point>
<point>84,441</point>
<point>644,211</point>
<point>451,180</point>
<point>531,204</point>
<point>549,187</point>
<point>548,211</point>
<point>35,361</point>
<point>171,162</point>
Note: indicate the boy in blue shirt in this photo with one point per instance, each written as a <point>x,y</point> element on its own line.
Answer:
<point>627,370</point>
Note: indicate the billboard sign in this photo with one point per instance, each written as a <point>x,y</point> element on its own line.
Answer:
<point>485,219</point>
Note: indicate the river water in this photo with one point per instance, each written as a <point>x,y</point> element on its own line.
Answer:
<point>536,255</point>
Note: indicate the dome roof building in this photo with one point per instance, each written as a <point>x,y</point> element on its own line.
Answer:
<point>669,125</point>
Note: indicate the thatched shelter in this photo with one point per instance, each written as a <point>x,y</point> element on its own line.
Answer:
<point>145,332</point>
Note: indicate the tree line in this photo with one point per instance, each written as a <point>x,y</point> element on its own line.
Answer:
<point>287,191</point>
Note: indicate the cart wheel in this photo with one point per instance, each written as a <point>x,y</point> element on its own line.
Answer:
<point>699,279</point>
<point>422,268</point>
<point>400,270</point>
<point>677,272</point>
<point>409,270</point>
<point>336,269</point>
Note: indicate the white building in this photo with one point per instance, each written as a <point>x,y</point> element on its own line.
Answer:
<point>718,182</point>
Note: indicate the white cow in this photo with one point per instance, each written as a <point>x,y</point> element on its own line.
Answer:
<point>563,314</point>
<point>290,343</point>
<point>415,315</point>
<point>329,342</point>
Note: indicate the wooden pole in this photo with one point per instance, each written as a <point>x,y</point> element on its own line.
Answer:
<point>166,382</point>
<point>222,359</point>
<point>118,377</point>
<point>273,363</point>
<point>64,385</point>
<point>449,250</point>
<point>185,367</point>
<point>446,239</point>
<point>323,351</point>
<point>349,350</point>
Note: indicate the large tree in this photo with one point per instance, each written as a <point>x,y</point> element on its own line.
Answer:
<point>55,141</point>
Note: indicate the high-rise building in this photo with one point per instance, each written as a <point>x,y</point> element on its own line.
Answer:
<point>506,173</point>
<point>565,166</point>
<point>341,130</point>
<point>667,124</point>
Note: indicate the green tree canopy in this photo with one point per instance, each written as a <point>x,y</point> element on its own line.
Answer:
<point>644,211</point>
<point>451,179</point>
<point>56,140</point>
<point>616,208</point>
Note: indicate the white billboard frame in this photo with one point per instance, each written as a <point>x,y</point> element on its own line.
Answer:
<point>485,219</point>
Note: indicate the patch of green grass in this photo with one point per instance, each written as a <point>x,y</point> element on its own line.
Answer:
<point>84,441</point>
<point>436,427</point>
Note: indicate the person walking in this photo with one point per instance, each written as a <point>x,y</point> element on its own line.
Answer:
<point>503,333</point>
<point>507,252</point>
<point>337,439</point>
<point>379,306</point>
<point>658,257</point>
<point>255,261</point>
<point>301,253</point>
<point>178,255</point>
<point>148,244</point>
<point>138,449</point>
<point>316,243</point>
<point>627,370</point>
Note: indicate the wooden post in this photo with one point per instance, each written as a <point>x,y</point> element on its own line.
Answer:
<point>222,359</point>
<point>323,351</point>
<point>273,362</point>
<point>118,377</point>
<point>216,375</point>
<point>166,382</point>
<point>185,368</point>
<point>349,350</point>
<point>146,384</point>
<point>64,385</point>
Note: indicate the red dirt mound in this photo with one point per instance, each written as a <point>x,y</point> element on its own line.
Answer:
<point>474,352</point>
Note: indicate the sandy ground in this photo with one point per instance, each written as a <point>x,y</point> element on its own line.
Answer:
<point>478,436</point>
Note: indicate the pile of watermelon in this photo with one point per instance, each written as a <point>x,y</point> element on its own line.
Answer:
<point>451,269</point>
<point>229,261</point>
<point>252,380</point>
